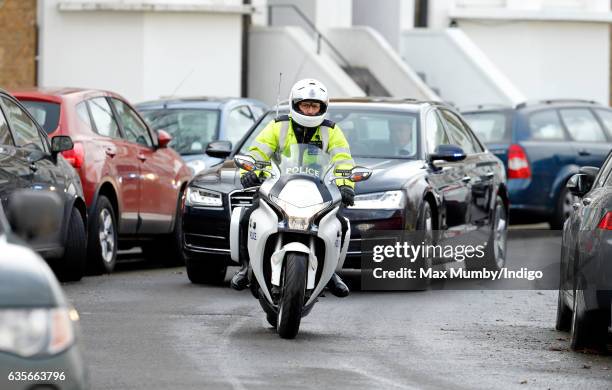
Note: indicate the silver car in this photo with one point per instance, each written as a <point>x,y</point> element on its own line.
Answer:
<point>38,327</point>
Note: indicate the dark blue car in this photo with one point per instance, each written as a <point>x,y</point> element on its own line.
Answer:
<point>542,145</point>
<point>195,122</point>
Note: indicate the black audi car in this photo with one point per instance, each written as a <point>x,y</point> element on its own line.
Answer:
<point>29,160</point>
<point>585,291</point>
<point>430,173</point>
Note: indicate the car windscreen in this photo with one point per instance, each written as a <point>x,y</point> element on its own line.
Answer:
<point>371,133</point>
<point>490,126</point>
<point>45,113</point>
<point>191,129</point>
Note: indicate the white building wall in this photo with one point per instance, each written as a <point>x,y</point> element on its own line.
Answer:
<point>323,13</point>
<point>548,59</point>
<point>298,60</point>
<point>452,64</point>
<point>141,54</point>
<point>388,17</point>
<point>191,54</point>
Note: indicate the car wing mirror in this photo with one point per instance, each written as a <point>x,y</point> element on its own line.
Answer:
<point>245,162</point>
<point>220,149</point>
<point>61,143</point>
<point>579,184</point>
<point>163,138</point>
<point>36,217</point>
<point>450,153</point>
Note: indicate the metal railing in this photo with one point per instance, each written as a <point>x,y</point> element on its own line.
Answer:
<point>319,35</point>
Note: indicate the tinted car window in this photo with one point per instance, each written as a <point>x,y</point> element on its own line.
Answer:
<point>370,133</point>
<point>490,127</point>
<point>606,118</point>
<point>458,134</point>
<point>582,125</point>
<point>546,126</point>
<point>604,176</point>
<point>45,113</point>
<point>5,135</point>
<point>24,129</point>
<point>83,114</point>
<point>239,121</point>
<point>103,118</point>
<point>135,130</point>
<point>191,130</point>
<point>434,132</point>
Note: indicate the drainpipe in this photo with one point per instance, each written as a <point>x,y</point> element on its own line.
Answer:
<point>244,76</point>
<point>421,11</point>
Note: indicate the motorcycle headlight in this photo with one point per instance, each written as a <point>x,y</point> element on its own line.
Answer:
<point>380,200</point>
<point>35,332</point>
<point>298,218</point>
<point>201,197</point>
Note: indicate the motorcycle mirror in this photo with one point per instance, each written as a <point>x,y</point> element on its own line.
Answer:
<point>360,174</point>
<point>245,162</point>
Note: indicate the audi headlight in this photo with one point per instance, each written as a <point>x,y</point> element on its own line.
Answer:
<point>298,218</point>
<point>200,197</point>
<point>380,200</point>
<point>36,332</point>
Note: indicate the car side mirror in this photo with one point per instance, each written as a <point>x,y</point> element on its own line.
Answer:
<point>579,184</point>
<point>36,217</point>
<point>61,143</point>
<point>247,163</point>
<point>449,153</point>
<point>220,149</point>
<point>163,138</point>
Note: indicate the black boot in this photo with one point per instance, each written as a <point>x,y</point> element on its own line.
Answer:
<point>240,280</point>
<point>337,287</point>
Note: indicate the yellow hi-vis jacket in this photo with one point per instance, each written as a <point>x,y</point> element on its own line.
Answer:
<point>328,137</point>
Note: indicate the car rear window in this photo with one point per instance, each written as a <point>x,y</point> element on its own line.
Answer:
<point>191,129</point>
<point>490,127</point>
<point>45,113</point>
<point>546,126</point>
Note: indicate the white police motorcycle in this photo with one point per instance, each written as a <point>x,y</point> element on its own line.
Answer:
<point>295,240</point>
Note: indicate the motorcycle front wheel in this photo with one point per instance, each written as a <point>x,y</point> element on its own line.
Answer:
<point>292,300</point>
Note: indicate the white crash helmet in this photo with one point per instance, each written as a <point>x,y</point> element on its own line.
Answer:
<point>311,90</point>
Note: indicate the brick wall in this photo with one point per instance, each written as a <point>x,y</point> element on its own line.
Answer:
<point>17,43</point>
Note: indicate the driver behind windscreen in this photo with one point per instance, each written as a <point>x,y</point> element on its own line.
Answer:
<point>305,124</point>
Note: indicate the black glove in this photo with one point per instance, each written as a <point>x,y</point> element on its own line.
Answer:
<point>348,195</point>
<point>250,179</point>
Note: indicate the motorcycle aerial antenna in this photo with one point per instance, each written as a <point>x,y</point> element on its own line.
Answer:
<point>280,78</point>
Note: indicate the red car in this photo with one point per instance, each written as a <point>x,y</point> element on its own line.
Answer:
<point>132,182</point>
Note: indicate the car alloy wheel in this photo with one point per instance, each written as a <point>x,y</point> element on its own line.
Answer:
<point>107,235</point>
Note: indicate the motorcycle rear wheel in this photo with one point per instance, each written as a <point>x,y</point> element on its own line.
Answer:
<point>291,302</point>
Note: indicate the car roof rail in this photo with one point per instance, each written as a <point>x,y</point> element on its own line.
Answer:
<point>553,101</point>
<point>483,106</point>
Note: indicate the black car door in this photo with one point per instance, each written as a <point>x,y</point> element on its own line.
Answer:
<point>34,148</point>
<point>446,180</point>
<point>14,168</point>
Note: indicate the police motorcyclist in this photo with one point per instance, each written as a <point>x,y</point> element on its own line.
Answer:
<point>305,124</point>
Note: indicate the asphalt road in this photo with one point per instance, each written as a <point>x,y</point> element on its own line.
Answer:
<point>149,328</point>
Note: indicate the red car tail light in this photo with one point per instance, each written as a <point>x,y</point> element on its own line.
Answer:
<point>518,165</point>
<point>606,222</point>
<point>76,156</point>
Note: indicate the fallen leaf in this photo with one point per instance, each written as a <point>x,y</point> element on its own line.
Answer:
<point>524,382</point>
